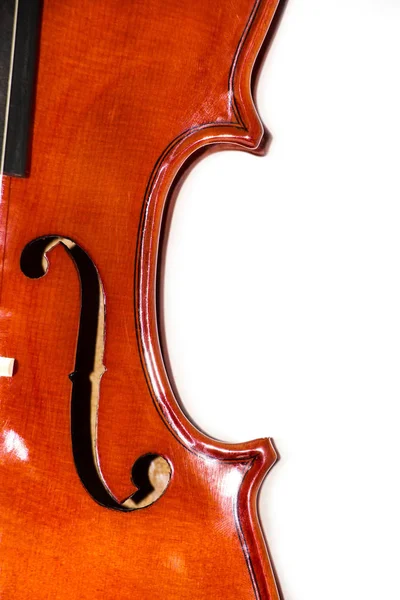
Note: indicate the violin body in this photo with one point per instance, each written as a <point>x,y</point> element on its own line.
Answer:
<point>126,93</point>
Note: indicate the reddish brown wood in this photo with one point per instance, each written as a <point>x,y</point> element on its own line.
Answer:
<point>126,93</point>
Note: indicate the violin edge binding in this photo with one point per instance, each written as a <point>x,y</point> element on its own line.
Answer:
<point>245,133</point>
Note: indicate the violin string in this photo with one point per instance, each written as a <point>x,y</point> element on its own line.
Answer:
<point>8,99</point>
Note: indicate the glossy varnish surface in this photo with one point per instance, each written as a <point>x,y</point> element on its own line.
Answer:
<point>124,96</point>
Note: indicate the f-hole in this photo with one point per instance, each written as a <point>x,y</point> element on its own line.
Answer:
<point>151,473</point>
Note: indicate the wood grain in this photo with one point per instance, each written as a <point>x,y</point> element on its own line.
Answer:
<point>125,96</point>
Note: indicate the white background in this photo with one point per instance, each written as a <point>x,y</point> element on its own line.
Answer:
<point>282,298</point>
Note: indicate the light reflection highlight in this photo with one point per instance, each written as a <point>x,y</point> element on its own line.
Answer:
<point>231,483</point>
<point>14,444</point>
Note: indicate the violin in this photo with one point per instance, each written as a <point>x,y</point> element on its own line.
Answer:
<point>108,490</point>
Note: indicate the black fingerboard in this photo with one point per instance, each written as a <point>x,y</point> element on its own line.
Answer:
<point>18,134</point>
<point>7,8</point>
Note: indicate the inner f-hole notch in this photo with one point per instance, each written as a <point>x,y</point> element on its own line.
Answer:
<point>151,473</point>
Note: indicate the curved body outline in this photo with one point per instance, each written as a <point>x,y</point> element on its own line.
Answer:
<point>88,135</point>
<point>244,132</point>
